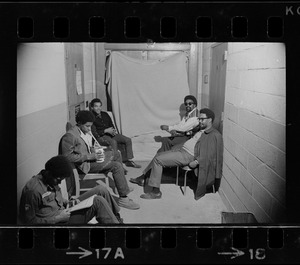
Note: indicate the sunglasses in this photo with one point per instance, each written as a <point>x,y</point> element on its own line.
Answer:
<point>202,119</point>
<point>59,180</point>
<point>188,103</point>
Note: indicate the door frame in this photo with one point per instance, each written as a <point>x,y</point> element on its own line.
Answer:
<point>71,85</point>
<point>220,127</point>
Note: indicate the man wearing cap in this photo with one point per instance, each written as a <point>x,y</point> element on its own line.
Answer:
<point>181,131</point>
<point>42,201</point>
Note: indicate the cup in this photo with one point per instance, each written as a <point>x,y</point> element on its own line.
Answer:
<point>100,151</point>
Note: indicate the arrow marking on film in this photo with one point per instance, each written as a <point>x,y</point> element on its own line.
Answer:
<point>84,254</point>
<point>235,254</point>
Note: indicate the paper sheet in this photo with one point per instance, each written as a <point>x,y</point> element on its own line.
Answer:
<point>78,82</point>
<point>83,204</point>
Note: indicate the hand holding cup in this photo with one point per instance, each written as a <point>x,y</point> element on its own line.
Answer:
<point>100,155</point>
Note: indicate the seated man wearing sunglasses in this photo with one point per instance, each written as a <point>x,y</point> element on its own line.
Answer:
<point>203,152</point>
<point>181,131</point>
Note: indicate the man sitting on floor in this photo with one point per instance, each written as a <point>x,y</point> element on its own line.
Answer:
<point>181,131</point>
<point>103,128</point>
<point>42,201</point>
<point>203,151</point>
<point>75,145</point>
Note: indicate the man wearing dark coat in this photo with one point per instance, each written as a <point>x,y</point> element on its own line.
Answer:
<point>203,152</point>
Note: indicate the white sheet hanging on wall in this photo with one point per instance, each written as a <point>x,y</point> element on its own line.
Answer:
<point>146,94</point>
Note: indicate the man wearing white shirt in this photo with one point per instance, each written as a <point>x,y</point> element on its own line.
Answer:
<point>203,152</point>
<point>181,131</point>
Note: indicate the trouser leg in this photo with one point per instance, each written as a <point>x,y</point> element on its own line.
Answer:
<point>169,142</point>
<point>166,144</point>
<point>179,140</point>
<point>171,158</point>
<point>122,139</point>
<point>103,192</point>
<point>148,167</point>
<point>151,164</point>
<point>100,209</point>
<point>118,174</point>
<point>118,156</point>
<point>113,143</point>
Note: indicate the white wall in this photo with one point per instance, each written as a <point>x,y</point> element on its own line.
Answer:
<point>41,106</point>
<point>254,130</point>
<point>40,77</point>
<point>89,71</point>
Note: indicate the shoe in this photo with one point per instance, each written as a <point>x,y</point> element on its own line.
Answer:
<point>119,218</point>
<point>130,163</point>
<point>128,203</point>
<point>139,180</point>
<point>151,195</point>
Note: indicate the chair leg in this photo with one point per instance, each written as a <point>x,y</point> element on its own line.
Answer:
<point>177,176</point>
<point>106,181</point>
<point>185,174</point>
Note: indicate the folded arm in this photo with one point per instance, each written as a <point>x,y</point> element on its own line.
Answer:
<point>185,126</point>
<point>68,148</point>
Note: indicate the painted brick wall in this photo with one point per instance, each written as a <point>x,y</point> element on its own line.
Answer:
<point>254,130</point>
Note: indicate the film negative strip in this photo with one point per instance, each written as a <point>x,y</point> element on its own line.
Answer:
<point>149,244</point>
<point>259,178</point>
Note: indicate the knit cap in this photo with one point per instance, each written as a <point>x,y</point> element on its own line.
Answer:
<point>59,166</point>
<point>191,97</point>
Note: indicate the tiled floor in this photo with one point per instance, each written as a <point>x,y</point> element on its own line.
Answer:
<point>173,207</point>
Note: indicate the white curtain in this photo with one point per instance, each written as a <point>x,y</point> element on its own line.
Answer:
<point>146,94</point>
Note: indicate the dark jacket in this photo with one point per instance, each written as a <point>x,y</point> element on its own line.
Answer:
<point>75,149</point>
<point>39,203</point>
<point>209,153</point>
<point>102,122</point>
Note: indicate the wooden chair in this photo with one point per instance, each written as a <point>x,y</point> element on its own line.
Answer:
<point>186,170</point>
<point>90,176</point>
<point>65,195</point>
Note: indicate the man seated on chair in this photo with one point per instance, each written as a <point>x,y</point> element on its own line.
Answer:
<point>204,152</point>
<point>181,131</point>
<point>42,201</point>
<point>75,145</point>
<point>103,128</point>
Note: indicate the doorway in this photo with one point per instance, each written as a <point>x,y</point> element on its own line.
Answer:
<point>74,79</point>
<point>217,83</point>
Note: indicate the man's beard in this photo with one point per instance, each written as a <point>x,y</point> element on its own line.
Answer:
<point>202,127</point>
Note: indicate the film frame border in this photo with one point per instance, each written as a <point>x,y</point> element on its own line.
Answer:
<point>154,244</point>
<point>185,32</point>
